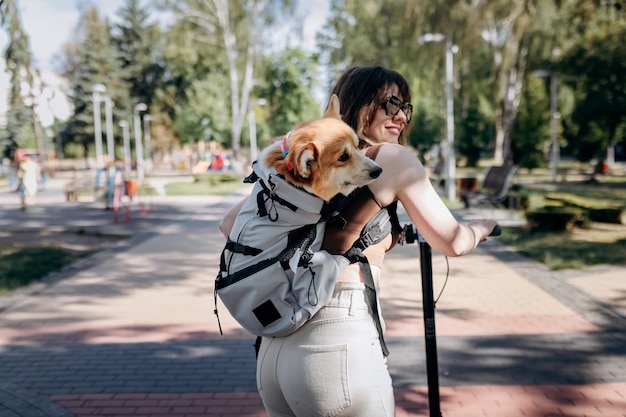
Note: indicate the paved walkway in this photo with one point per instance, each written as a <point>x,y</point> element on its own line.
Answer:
<point>131,330</point>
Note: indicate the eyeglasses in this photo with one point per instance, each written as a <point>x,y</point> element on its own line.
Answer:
<point>393,105</point>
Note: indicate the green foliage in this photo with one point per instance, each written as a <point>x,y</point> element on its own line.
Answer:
<point>205,115</point>
<point>193,88</point>
<point>381,32</point>
<point>140,45</point>
<point>475,133</point>
<point>17,55</point>
<point>426,127</point>
<point>97,62</point>
<point>234,32</point>
<point>595,67</point>
<point>386,32</point>
<point>531,134</point>
<point>289,79</point>
<point>209,60</point>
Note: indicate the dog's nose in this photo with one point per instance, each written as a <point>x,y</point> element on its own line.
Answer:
<point>375,172</point>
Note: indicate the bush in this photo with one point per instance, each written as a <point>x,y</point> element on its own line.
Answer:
<point>596,210</point>
<point>556,219</point>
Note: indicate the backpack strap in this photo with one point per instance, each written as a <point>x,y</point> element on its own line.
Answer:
<point>356,255</point>
<point>241,248</point>
<point>376,229</point>
<point>267,193</point>
<point>396,228</point>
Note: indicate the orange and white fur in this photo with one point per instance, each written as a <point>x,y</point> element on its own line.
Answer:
<point>322,156</point>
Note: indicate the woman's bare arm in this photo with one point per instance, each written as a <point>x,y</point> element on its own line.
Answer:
<point>227,222</point>
<point>404,178</point>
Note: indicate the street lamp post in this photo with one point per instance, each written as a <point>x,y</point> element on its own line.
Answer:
<point>147,118</point>
<point>97,121</point>
<point>252,123</point>
<point>555,151</point>
<point>125,133</point>
<point>554,115</point>
<point>139,107</point>
<point>449,151</point>
<point>108,106</point>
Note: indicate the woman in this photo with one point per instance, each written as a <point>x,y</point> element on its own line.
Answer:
<point>334,365</point>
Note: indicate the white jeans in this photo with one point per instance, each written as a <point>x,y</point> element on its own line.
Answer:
<point>332,366</point>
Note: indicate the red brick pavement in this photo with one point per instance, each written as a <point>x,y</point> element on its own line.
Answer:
<point>598,400</point>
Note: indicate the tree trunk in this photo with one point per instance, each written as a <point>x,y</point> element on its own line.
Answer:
<point>510,63</point>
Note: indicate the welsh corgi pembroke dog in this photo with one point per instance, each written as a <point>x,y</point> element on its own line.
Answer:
<point>322,156</point>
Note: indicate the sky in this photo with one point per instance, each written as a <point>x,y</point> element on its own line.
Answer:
<point>50,23</point>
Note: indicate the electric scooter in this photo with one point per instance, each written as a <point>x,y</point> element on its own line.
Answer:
<point>428,304</point>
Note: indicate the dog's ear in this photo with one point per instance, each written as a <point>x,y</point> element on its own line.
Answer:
<point>304,160</point>
<point>333,108</point>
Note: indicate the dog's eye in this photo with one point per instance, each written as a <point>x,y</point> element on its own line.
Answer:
<point>344,157</point>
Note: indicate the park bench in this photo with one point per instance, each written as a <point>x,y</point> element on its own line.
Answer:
<point>78,183</point>
<point>492,190</point>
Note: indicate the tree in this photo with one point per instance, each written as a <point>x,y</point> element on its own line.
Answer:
<point>507,32</point>
<point>22,120</point>
<point>474,134</point>
<point>94,60</point>
<point>286,84</point>
<point>140,45</point>
<point>191,101</point>
<point>234,30</point>
<point>425,130</point>
<point>595,67</point>
<point>531,126</point>
<point>386,31</point>
<point>381,32</point>
<point>204,114</point>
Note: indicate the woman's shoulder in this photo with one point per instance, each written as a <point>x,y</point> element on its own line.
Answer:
<point>392,153</point>
<point>401,169</point>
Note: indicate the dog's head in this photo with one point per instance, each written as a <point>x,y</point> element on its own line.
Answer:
<point>323,157</point>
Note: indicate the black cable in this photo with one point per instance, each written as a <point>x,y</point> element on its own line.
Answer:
<point>445,281</point>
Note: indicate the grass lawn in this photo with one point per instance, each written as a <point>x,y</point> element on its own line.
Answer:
<point>601,244</point>
<point>202,188</point>
<point>212,183</point>
<point>29,256</point>
<point>597,244</point>
<point>19,266</point>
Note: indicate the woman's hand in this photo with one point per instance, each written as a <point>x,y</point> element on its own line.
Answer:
<point>482,228</point>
